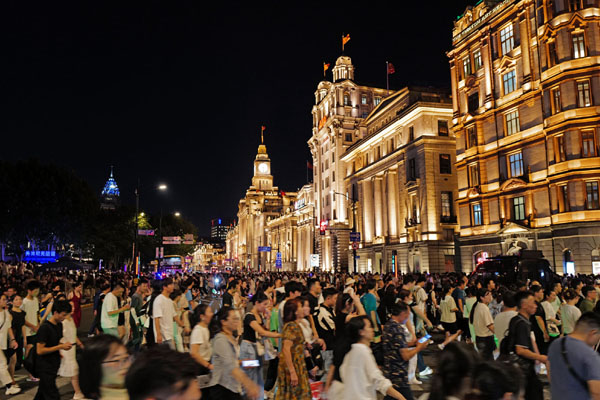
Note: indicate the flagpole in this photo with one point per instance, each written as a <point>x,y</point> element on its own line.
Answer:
<point>387,77</point>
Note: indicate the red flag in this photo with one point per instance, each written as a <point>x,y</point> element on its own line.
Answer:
<point>309,165</point>
<point>391,69</point>
<point>282,193</point>
<point>326,66</point>
<point>262,128</point>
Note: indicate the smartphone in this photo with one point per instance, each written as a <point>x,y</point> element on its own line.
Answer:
<point>250,363</point>
<point>425,338</point>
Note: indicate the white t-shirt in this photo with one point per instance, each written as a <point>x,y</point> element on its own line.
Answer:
<point>420,298</point>
<point>501,323</point>
<point>481,319</point>
<point>569,315</point>
<point>446,306</point>
<point>163,309</point>
<point>201,336</point>
<point>5,324</point>
<point>110,303</point>
<point>31,309</point>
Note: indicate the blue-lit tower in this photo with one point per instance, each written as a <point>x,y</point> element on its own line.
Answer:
<point>110,197</point>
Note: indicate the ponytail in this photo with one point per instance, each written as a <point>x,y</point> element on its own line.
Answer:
<point>480,293</point>
<point>215,325</point>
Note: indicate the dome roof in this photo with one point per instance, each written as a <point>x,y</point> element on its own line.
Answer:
<point>324,85</point>
<point>343,60</point>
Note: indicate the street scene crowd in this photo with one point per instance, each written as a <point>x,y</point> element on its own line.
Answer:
<point>291,335</point>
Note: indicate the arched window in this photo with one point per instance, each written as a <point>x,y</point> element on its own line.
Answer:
<point>346,99</point>
<point>568,263</point>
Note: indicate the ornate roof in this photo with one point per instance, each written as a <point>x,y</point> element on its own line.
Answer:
<point>111,188</point>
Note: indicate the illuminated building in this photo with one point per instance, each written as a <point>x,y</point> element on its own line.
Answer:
<point>339,108</point>
<point>262,202</point>
<point>109,198</point>
<point>526,99</point>
<point>304,208</point>
<point>218,230</point>
<point>401,182</point>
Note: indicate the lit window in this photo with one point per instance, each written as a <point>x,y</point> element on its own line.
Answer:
<point>446,204</point>
<point>556,101</point>
<point>476,214</point>
<point>506,39</point>
<point>584,98</point>
<point>363,99</point>
<point>578,45</point>
<point>377,100</point>
<point>445,165</point>
<point>563,199</point>
<point>512,122</point>
<point>467,66</point>
<point>519,208</point>
<point>346,99</point>
<point>588,148</point>
<point>509,81</point>
<point>516,165</point>
<point>591,190</point>
<point>560,153</point>
<point>477,63</point>
<point>473,175</point>
<point>442,127</point>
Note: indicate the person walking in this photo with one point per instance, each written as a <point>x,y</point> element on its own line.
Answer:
<point>8,345</point>
<point>68,362</point>
<point>163,314</point>
<point>110,311</point>
<point>483,324</point>
<point>200,348</point>
<point>18,326</point>
<point>47,347</point>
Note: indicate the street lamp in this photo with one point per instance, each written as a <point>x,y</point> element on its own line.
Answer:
<point>162,187</point>
<point>177,214</point>
<point>353,204</point>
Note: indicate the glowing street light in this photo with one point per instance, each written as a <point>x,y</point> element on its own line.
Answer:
<point>162,187</point>
<point>177,214</point>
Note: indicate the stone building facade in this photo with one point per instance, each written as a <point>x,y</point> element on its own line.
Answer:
<point>401,182</point>
<point>526,99</point>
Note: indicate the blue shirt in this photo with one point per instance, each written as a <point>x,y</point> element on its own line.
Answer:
<point>369,302</point>
<point>585,362</point>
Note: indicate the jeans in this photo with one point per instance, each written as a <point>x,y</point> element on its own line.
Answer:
<point>327,362</point>
<point>486,346</point>
<point>404,391</point>
<point>248,352</point>
<point>421,366</point>
<point>47,389</point>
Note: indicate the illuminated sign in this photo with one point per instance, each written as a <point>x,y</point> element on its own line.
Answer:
<point>323,226</point>
<point>479,21</point>
<point>301,203</point>
<point>482,257</point>
<point>40,256</point>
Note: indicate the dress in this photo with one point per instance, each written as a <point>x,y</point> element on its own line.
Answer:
<point>285,390</point>
<point>68,361</point>
<point>76,300</point>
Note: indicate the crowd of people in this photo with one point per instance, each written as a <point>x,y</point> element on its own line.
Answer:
<point>281,335</point>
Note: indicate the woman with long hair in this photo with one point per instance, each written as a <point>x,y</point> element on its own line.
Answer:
<point>75,298</point>
<point>227,377</point>
<point>200,348</point>
<point>483,324</point>
<point>103,364</point>
<point>292,376</point>
<point>359,372</point>
<point>252,347</point>
<point>569,312</point>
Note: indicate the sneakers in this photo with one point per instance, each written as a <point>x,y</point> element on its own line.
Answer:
<point>32,379</point>
<point>426,371</point>
<point>415,381</point>
<point>13,390</point>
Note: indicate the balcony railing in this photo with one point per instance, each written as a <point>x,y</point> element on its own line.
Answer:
<point>448,219</point>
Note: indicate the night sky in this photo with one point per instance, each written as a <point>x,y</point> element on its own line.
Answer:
<point>175,92</point>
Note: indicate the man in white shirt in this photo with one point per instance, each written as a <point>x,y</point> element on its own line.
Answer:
<point>502,320</point>
<point>31,307</point>
<point>163,313</point>
<point>420,297</point>
<point>109,316</point>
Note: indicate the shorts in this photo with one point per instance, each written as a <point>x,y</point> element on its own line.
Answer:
<point>8,353</point>
<point>450,327</point>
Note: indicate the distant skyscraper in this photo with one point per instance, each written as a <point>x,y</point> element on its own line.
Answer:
<point>109,199</point>
<point>218,230</point>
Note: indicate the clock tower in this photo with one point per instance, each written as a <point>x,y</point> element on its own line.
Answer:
<point>262,179</point>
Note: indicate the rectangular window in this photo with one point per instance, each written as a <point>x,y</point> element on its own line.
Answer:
<point>563,199</point>
<point>556,101</point>
<point>363,99</point>
<point>346,100</point>
<point>442,127</point>
<point>411,133</point>
<point>473,175</point>
<point>412,170</point>
<point>507,41</point>
<point>516,164</point>
<point>509,82</point>
<point>575,5</point>
<point>348,137</point>
<point>476,214</point>
<point>449,237</point>
<point>591,190</point>
<point>445,165</point>
<point>584,97</point>
<point>588,147</point>
<point>578,45</point>
<point>560,153</point>
<point>327,182</point>
<point>446,204</point>
<point>467,66</point>
<point>552,54</point>
<point>471,136</point>
<point>333,176</point>
<point>519,208</point>
<point>377,100</point>
<point>473,102</point>
<point>477,63</point>
<point>512,122</point>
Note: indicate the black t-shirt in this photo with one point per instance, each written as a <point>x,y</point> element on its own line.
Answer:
<point>227,300</point>
<point>340,326</point>
<point>325,324</point>
<point>249,333</point>
<point>535,327</point>
<point>520,327</point>
<point>50,335</point>
<point>314,303</point>
<point>18,320</point>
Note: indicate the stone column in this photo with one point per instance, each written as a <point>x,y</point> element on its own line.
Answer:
<point>487,68</point>
<point>392,199</point>
<point>368,209</point>
<point>384,203</point>
<point>454,82</point>
<point>525,46</point>
<point>378,206</point>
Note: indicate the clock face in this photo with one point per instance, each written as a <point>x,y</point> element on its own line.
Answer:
<point>263,168</point>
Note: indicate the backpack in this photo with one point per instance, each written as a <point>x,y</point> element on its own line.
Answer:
<point>150,337</point>
<point>508,354</point>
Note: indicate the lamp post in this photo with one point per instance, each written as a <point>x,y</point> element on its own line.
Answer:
<point>353,204</point>
<point>162,187</point>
